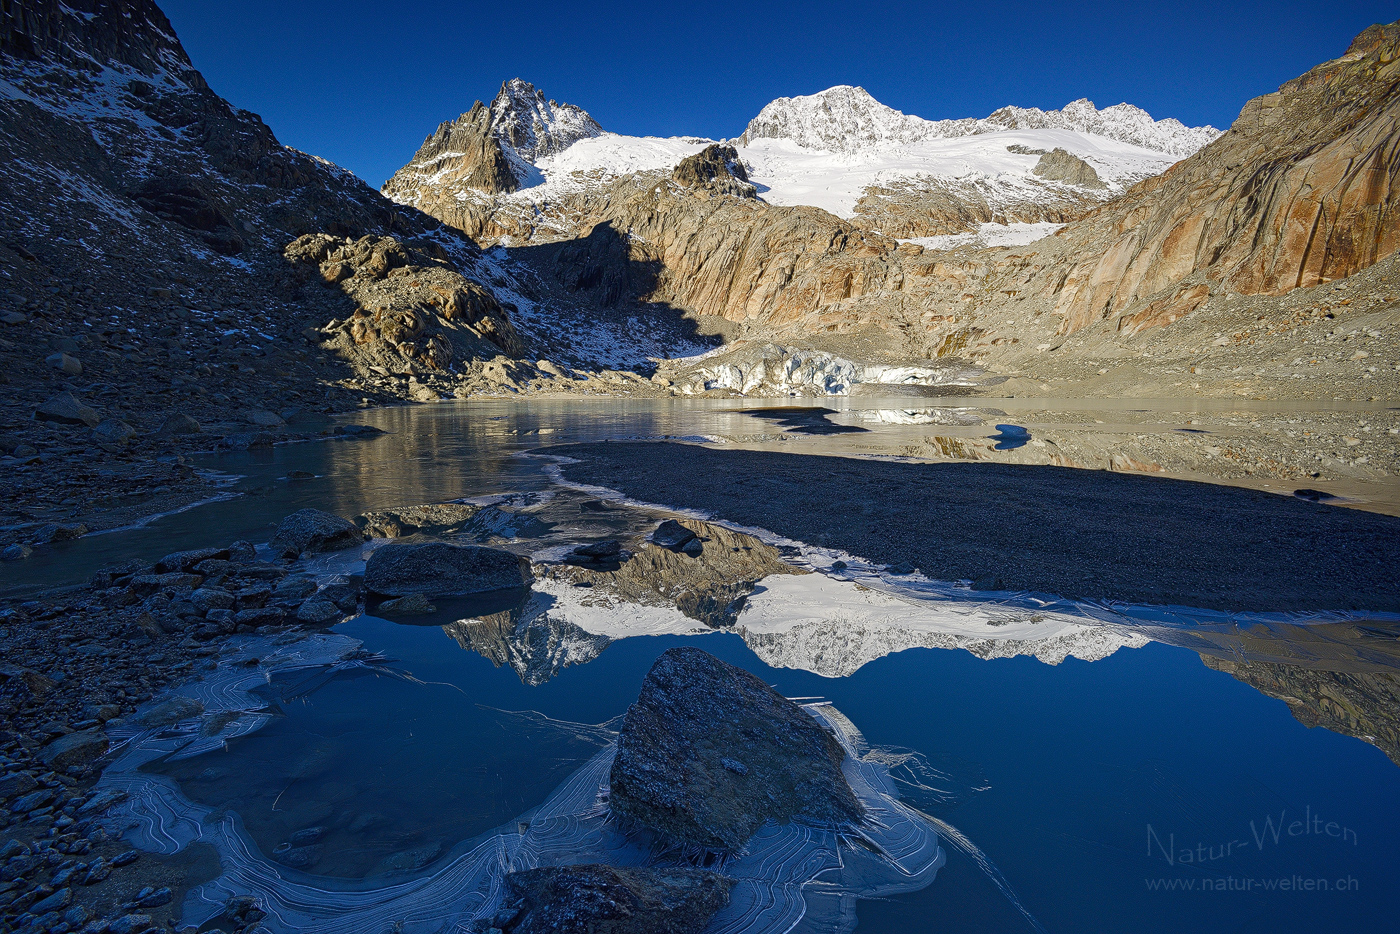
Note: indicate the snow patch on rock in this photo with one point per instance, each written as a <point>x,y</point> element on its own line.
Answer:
<point>989,235</point>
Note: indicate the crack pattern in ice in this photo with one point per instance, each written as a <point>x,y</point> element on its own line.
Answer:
<point>788,873</point>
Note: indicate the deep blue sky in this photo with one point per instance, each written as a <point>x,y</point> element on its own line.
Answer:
<point>363,83</point>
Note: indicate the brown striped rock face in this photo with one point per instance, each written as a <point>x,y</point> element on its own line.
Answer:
<point>1299,192</point>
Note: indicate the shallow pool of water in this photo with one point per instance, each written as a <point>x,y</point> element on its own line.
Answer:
<point>1120,772</point>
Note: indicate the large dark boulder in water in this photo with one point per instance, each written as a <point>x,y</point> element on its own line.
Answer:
<point>594,899</point>
<point>437,569</point>
<point>709,752</point>
<point>314,530</point>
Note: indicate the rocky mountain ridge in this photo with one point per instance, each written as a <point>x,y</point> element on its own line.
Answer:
<point>493,148</point>
<point>840,150</point>
<point>139,202</point>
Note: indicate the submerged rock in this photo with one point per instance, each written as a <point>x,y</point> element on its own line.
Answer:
<point>413,605</point>
<point>171,712</point>
<point>708,752</point>
<point>431,519</point>
<point>408,860</point>
<point>314,530</point>
<point>437,569</point>
<point>594,899</point>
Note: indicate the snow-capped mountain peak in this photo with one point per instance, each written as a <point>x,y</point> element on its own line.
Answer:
<point>849,119</point>
<point>1123,122</point>
<point>535,127</point>
<point>838,119</point>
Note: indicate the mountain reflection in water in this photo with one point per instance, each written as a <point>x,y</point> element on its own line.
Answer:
<point>807,609</point>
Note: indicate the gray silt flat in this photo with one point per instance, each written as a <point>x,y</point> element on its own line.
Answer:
<point>1083,534</point>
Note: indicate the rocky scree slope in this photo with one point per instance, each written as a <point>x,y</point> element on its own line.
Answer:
<point>131,187</point>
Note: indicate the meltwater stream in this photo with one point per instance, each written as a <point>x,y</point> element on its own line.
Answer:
<point>1037,763</point>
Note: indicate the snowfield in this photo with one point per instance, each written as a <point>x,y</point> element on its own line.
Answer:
<point>790,174</point>
<point>825,150</point>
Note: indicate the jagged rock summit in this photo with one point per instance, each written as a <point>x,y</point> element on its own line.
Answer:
<point>842,118</point>
<point>848,119</point>
<point>493,149</point>
<point>534,127</point>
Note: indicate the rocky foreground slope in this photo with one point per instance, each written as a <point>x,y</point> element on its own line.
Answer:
<point>173,278</point>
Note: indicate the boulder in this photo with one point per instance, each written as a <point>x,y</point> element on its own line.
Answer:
<point>434,518</point>
<point>147,584</point>
<point>708,752</point>
<point>211,598</point>
<point>187,560</point>
<point>344,596</point>
<point>318,611</point>
<point>16,784</point>
<point>260,616</point>
<point>178,424</point>
<point>263,419</point>
<point>608,549</point>
<point>68,366</point>
<point>74,749</point>
<point>437,569</point>
<point>66,409</point>
<point>313,530</point>
<point>293,589</point>
<point>671,534</point>
<point>59,532</point>
<point>595,899</point>
<point>113,432</point>
<point>130,924</point>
